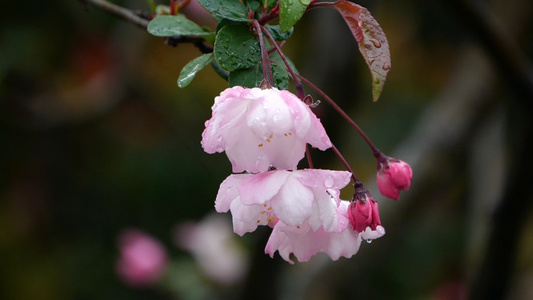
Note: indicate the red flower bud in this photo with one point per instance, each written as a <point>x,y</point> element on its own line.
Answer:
<point>394,176</point>
<point>363,214</point>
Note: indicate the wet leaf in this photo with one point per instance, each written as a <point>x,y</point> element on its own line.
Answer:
<point>227,9</point>
<point>372,41</point>
<point>253,76</point>
<point>168,26</point>
<point>290,11</point>
<point>236,47</point>
<point>188,72</point>
<point>276,33</point>
<point>276,58</point>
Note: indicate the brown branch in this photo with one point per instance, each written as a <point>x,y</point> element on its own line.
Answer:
<point>118,11</point>
<point>136,18</point>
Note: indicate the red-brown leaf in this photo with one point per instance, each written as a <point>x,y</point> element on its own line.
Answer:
<point>372,41</point>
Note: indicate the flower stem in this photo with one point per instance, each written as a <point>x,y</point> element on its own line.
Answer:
<point>268,80</point>
<point>356,180</point>
<point>377,154</point>
<point>299,86</point>
<point>308,155</point>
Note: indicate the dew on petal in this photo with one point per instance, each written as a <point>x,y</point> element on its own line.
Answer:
<point>329,182</point>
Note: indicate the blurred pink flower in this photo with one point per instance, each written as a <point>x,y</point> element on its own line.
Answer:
<point>260,128</point>
<point>294,198</point>
<point>304,242</point>
<point>394,176</point>
<point>213,245</point>
<point>142,260</point>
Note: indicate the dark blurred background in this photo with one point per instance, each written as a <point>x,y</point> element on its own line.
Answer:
<point>96,138</point>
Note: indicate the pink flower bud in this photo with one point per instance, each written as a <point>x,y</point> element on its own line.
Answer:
<point>363,214</point>
<point>142,259</point>
<point>394,176</point>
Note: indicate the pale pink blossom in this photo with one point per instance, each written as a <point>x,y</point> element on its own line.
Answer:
<point>213,245</point>
<point>393,177</point>
<point>262,128</point>
<point>304,242</point>
<point>143,259</point>
<point>291,197</point>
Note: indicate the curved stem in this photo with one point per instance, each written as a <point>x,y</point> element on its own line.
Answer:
<point>356,180</point>
<point>308,156</point>
<point>118,11</point>
<point>377,154</point>
<point>268,80</point>
<point>299,86</point>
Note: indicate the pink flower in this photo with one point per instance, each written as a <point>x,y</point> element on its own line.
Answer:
<point>294,198</point>
<point>304,242</point>
<point>393,176</point>
<point>364,214</point>
<point>142,260</point>
<point>262,128</point>
<point>213,245</point>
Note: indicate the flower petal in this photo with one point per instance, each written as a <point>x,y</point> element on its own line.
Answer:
<point>294,202</point>
<point>228,192</point>
<point>262,187</point>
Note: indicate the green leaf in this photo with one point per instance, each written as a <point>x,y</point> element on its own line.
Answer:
<point>194,66</point>
<point>179,25</point>
<point>276,58</point>
<point>276,33</point>
<point>281,77</point>
<point>249,77</point>
<point>224,22</point>
<point>253,76</point>
<point>236,47</point>
<point>290,11</point>
<point>221,72</point>
<point>227,9</point>
<point>253,4</point>
<point>372,41</point>
<point>271,2</point>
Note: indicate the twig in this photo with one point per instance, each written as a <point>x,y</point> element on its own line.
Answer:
<point>135,18</point>
<point>377,154</point>
<point>123,13</point>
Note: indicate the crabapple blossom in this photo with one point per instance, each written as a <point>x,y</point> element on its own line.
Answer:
<point>213,245</point>
<point>142,260</point>
<point>394,176</point>
<point>260,128</point>
<point>304,242</point>
<point>292,197</point>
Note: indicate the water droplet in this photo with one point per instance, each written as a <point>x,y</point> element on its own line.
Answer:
<point>386,67</point>
<point>368,241</point>
<point>329,182</point>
